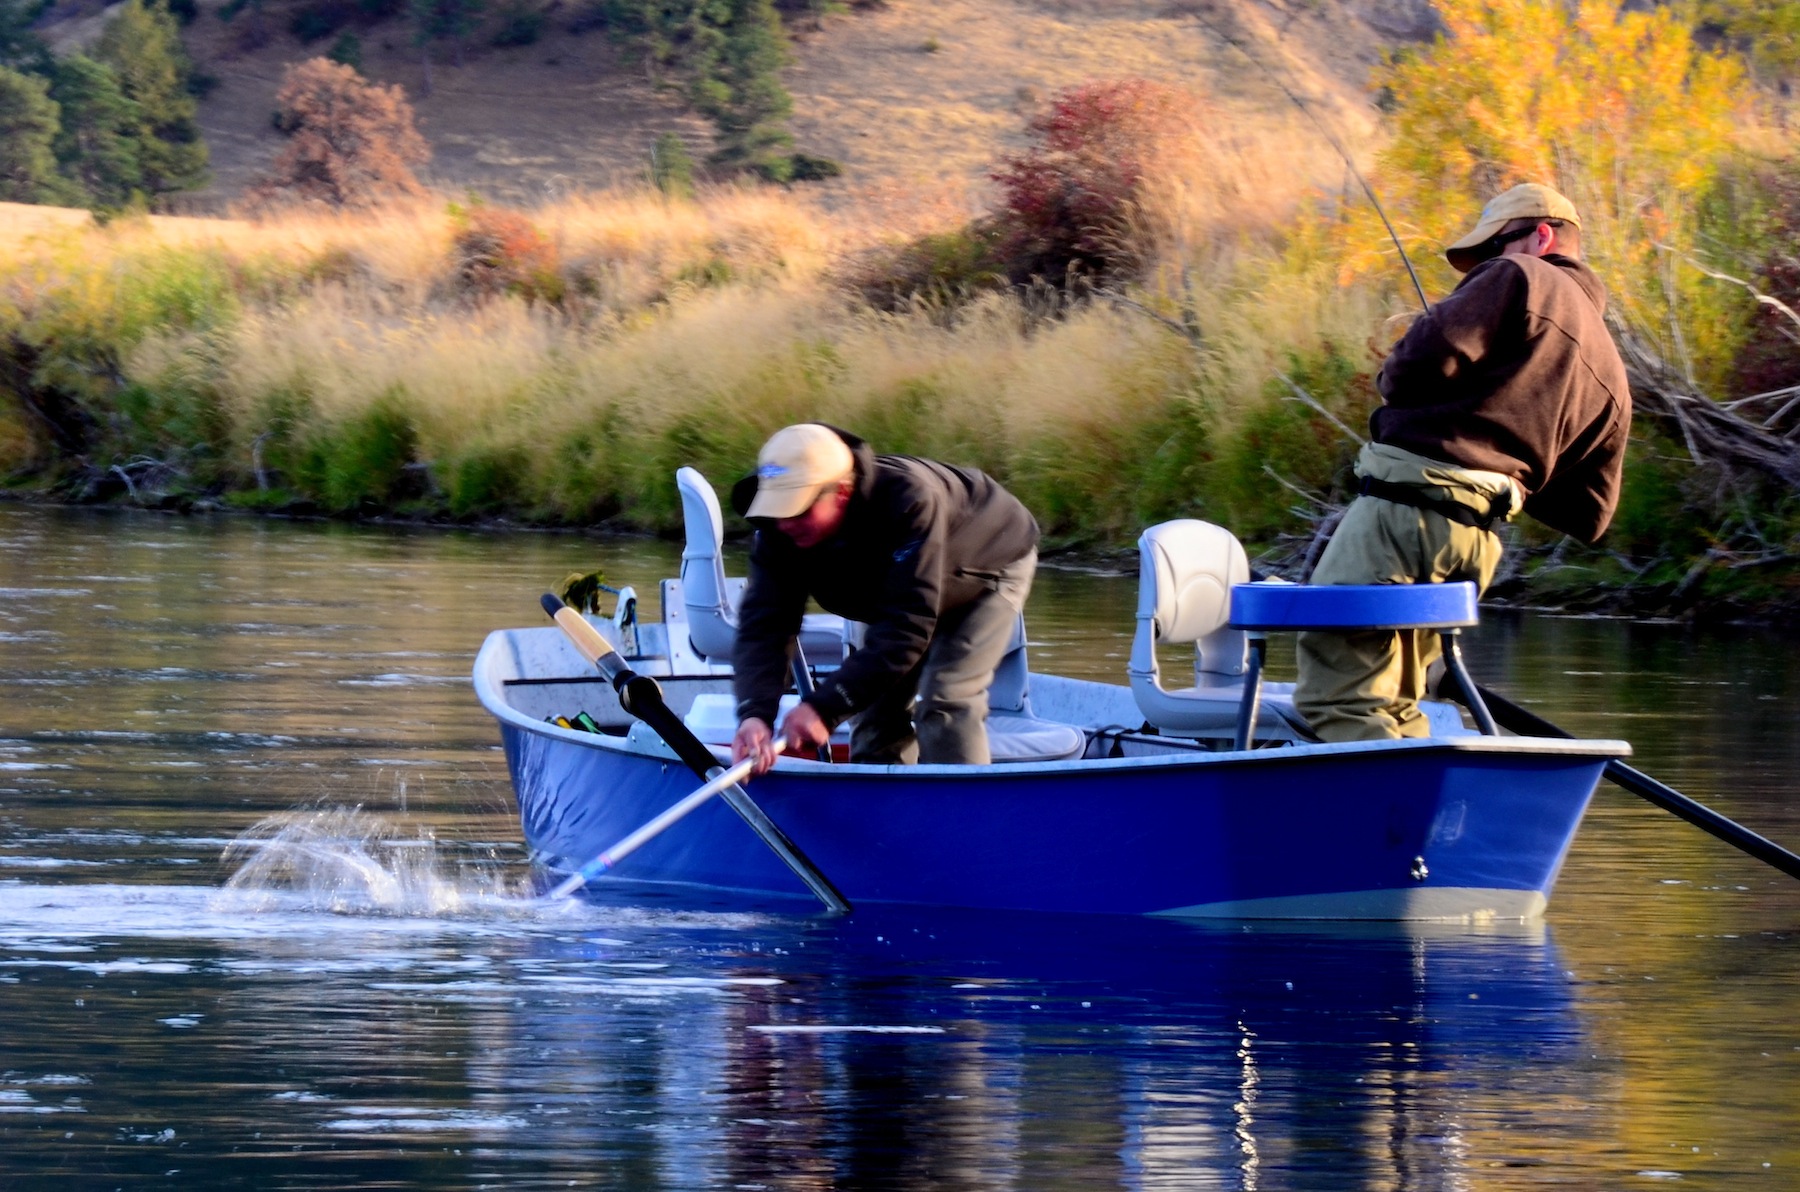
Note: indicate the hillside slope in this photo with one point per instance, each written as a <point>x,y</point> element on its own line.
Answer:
<point>916,98</point>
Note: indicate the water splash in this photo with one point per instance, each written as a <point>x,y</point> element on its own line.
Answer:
<point>348,861</point>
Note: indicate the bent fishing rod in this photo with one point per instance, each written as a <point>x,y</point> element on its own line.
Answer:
<point>1332,139</point>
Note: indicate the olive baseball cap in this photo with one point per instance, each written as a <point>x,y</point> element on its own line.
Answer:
<point>1531,200</point>
<point>795,466</point>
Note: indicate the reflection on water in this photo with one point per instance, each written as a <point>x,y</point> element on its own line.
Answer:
<point>265,920</point>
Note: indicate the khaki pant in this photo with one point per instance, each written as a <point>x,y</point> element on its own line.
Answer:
<point>949,725</point>
<point>1367,686</point>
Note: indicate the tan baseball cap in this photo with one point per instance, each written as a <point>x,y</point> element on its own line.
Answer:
<point>795,466</point>
<point>1531,200</point>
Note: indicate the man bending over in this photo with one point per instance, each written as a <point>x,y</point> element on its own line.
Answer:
<point>935,560</point>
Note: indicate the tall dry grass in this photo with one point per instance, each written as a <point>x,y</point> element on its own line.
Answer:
<point>338,361</point>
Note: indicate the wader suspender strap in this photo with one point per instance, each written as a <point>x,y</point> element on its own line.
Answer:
<point>1406,494</point>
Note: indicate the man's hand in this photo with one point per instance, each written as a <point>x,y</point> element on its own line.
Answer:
<point>804,731</point>
<point>754,739</point>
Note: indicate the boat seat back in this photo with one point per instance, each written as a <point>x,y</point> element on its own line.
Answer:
<point>706,599</point>
<point>1186,572</point>
<point>709,600</point>
<point>1010,692</point>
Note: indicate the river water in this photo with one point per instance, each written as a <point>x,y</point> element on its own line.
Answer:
<point>264,922</point>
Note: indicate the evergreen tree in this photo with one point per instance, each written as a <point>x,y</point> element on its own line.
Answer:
<point>443,20</point>
<point>729,55</point>
<point>749,104</point>
<point>98,145</point>
<point>27,128</point>
<point>753,116</point>
<point>671,168</point>
<point>143,47</point>
<point>20,45</point>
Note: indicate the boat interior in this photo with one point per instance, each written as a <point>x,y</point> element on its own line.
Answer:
<point>1188,570</point>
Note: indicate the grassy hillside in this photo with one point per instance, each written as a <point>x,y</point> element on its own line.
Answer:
<point>915,97</point>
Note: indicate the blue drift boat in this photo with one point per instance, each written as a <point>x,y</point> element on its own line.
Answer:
<point>1209,801</point>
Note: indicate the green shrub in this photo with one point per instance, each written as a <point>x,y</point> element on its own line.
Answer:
<point>671,167</point>
<point>487,479</point>
<point>347,51</point>
<point>941,268</point>
<point>320,19</point>
<point>520,25</point>
<point>806,167</point>
<point>362,460</point>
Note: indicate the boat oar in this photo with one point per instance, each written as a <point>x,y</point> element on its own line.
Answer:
<point>640,696</point>
<point>721,779</point>
<point>803,685</point>
<point>1528,724</point>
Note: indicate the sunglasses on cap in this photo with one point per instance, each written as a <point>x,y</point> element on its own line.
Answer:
<point>1492,246</point>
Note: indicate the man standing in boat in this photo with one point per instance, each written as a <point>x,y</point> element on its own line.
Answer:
<point>1507,395</point>
<point>935,560</point>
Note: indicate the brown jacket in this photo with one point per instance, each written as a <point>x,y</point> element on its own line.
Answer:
<point>1516,373</point>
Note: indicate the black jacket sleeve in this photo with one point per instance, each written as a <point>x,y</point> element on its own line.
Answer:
<point>907,616</point>
<point>768,618</point>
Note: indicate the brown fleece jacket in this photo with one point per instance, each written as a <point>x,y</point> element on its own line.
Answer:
<point>1516,373</point>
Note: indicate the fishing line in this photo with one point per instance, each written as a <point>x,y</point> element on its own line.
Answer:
<point>1329,136</point>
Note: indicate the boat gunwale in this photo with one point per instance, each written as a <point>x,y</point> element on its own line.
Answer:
<point>486,688</point>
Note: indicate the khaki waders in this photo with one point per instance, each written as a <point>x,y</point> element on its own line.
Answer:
<point>1366,686</point>
<point>949,723</point>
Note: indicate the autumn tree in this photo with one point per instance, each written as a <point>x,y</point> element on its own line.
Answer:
<point>1767,31</point>
<point>142,46</point>
<point>1620,110</point>
<point>350,143</point>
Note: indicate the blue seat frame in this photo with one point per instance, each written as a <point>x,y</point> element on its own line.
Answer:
<point>1261,608</point>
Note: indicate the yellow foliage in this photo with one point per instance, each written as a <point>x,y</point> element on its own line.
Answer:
<point>1620,110</point>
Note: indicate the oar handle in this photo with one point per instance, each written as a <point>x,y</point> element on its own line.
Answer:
<point>584,637</point>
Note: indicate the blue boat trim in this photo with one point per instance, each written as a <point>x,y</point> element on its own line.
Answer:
<point>1280,606</point>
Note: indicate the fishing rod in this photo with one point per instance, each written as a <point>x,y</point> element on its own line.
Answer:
<point>1332,139</point>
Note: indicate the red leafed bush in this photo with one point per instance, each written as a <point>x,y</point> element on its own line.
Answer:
<point>350,143</point>
<point>501,252</point>
<point>1072,200</point>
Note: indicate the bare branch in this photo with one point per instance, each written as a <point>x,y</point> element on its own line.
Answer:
<point>1765,299</point>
